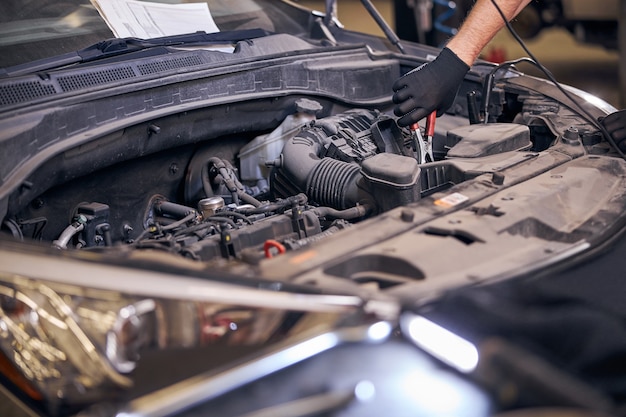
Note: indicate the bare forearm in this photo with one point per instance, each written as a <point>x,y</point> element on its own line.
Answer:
<point>481,26</point>
<point>435,85</point>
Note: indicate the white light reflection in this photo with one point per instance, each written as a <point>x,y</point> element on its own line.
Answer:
<point>379,331</point>
<point>443,344</point>
<point>591,99</point>
<point>436,394</point>
<point>365,391</point>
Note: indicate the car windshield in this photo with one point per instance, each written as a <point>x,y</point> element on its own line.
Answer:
<point>38,29</point>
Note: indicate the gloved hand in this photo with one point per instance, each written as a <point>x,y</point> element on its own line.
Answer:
<point>615,124</point>
<point>431,86</point>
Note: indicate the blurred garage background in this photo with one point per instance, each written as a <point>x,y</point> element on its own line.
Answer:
<point>584,55</point>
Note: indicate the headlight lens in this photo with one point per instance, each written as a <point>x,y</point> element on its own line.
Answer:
<point>79,344</point>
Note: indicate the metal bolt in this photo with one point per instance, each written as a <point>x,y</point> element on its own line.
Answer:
<point>173,168</point>
<point>407,216</point>
<point>571,136</point>
<point>497,178</point>
<point>37,203</point>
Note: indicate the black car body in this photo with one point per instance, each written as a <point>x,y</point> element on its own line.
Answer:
<point>234,224</point>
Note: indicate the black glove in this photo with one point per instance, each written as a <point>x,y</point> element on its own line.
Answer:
<point>615,124</point>
<point>429,87</point>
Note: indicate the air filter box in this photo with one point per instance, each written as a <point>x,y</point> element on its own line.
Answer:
<point>394,180</point>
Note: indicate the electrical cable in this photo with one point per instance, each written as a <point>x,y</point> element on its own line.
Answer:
<point>278,206</point>
<point>586,113</point>
<point>490,81</point>
<point>195,228</point>
<point>222,214</point>
<point>180,222</point>
<point>222,220</point>
<point>347,214</point>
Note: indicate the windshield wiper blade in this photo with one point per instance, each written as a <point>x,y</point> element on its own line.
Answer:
<point>120,46</point>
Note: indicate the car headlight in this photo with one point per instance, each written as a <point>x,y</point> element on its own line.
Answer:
<point>76,344</point>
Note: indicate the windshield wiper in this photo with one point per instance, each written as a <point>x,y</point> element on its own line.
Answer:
<point>120,46</point>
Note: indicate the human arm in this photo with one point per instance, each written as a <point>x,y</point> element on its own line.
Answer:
<point>433,86</point>
<point>481,25</point>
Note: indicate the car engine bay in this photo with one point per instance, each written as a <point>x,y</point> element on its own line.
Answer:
<point>304,180</point>
<point>242,171</point>
<point>242,198</point>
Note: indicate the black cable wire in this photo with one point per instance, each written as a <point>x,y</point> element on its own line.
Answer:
<point>490,81</point>
<point>195,228</point>
<point>232,214</point>
<point>548,74</point>
<point>179,223</point>
<point>221,220</point>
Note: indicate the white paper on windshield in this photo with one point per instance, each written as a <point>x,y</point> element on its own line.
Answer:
<point>145,20</point>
